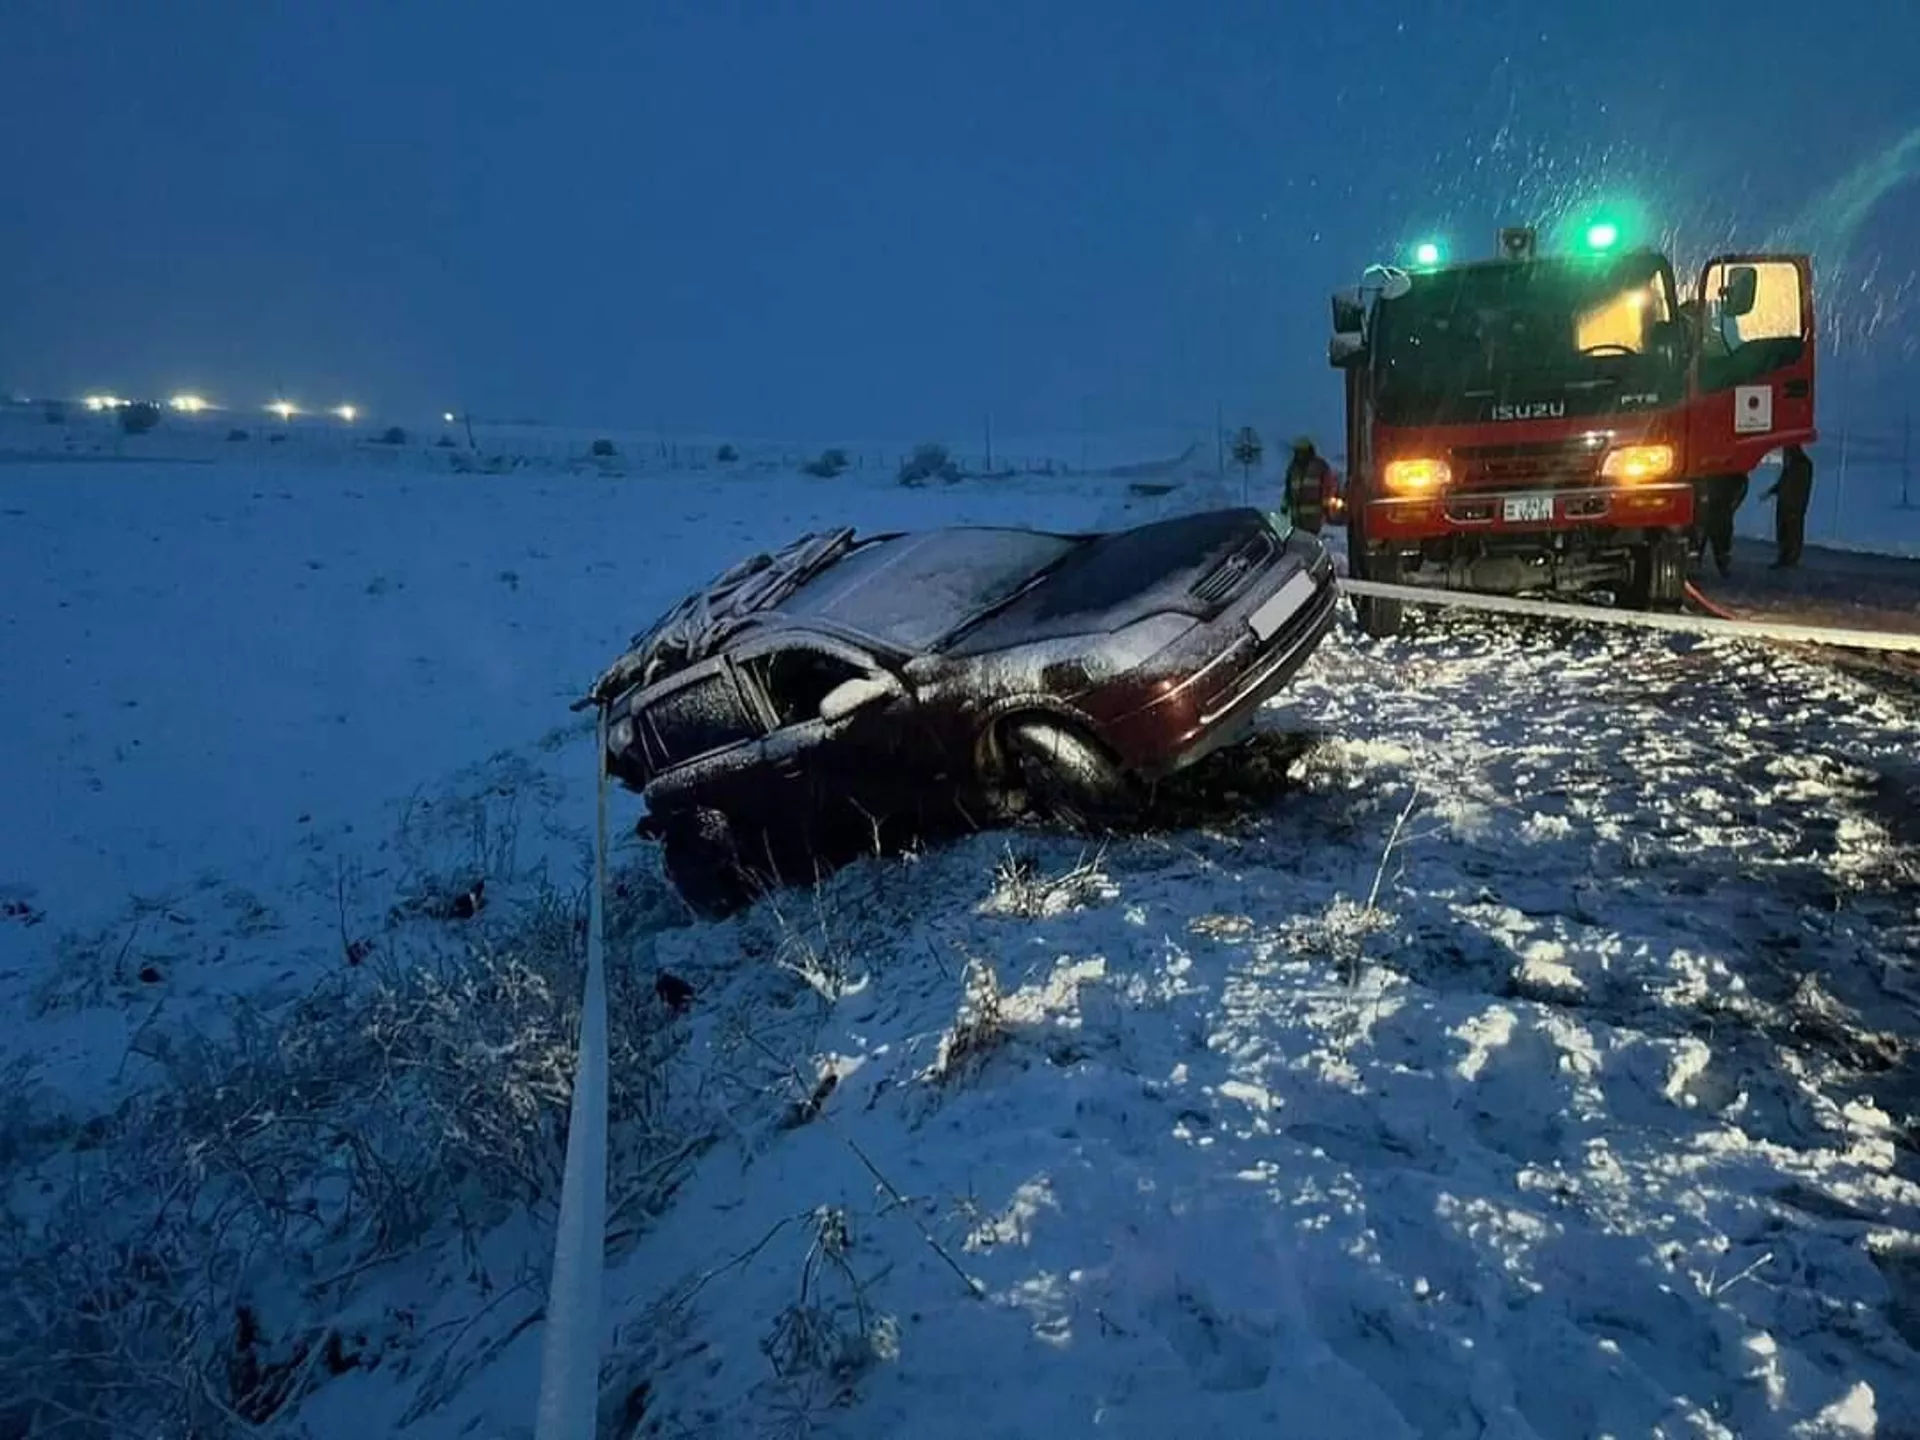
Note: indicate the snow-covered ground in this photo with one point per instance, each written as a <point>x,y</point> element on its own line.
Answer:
<point>1515,1041</point>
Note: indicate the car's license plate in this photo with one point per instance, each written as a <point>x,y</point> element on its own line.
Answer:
<point>1527,507</point>
<point>1282,607</point>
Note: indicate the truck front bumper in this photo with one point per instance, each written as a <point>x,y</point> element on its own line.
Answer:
<point>1518,513</point>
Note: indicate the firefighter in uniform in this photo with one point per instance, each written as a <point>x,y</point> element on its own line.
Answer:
<point>1308,486</point>
<point>1790,494</point>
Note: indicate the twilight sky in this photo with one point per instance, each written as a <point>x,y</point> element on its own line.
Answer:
<point>882,218</point>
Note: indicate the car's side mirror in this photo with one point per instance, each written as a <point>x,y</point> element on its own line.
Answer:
<point>851,696</point>
<point>1742,288</point>
<point>1346,349</point>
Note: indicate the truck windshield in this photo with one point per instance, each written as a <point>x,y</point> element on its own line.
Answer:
<point>1580,336</point>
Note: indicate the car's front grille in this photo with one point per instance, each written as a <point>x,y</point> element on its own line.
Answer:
<point>1225,579</point>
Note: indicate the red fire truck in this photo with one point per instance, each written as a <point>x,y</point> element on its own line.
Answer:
<point>1545,422</point>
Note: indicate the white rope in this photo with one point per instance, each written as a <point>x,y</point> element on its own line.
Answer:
<point>570,1354</point>
<point>1646,619</point>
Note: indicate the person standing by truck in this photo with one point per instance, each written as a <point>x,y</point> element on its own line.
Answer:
<point>1721,497</point>
<point>1308,486</point>
<point>1790,495</point>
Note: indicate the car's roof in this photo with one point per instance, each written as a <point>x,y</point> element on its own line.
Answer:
<point>903,591</point>
<point>909,590</point>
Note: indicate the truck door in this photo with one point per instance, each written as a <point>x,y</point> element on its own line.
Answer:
<point>1751,383</point>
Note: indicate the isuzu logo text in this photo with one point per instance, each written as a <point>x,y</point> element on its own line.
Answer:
<point>1534,410</point>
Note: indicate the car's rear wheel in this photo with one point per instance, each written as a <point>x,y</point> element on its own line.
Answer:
<point>703,863</point>
<point>1066,774</point>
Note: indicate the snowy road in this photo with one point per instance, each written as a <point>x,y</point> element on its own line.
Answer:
<point>1601,1120</point>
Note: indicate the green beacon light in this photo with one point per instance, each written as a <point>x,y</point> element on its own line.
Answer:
<point>1602,236</point>
<point>1426,253</point>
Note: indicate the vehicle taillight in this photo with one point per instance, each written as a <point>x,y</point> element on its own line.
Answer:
<point>1638,462</point>
<point>1417,477</point>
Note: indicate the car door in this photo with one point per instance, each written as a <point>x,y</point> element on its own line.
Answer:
<point>1751,381</point>
<point>832,777</point>
<point>704,742</point>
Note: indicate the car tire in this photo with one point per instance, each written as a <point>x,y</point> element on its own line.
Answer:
<point>1066,774</point>
<point>703,864</point>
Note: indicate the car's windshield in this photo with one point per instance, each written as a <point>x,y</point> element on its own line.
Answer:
<point>912,590</point>
<point>1467,344</point>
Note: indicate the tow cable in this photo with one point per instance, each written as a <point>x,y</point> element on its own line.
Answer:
<point>1718,622</point>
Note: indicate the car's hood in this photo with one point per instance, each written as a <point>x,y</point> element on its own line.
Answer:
<point>1156,569</point>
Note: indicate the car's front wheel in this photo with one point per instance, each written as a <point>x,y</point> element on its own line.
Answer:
<point>1066,774</point>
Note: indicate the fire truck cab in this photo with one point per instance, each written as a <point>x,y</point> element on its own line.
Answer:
<point>1547,423</point>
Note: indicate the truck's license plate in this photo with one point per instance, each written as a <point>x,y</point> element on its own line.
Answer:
<point>1282,607</point>
<point>1527,507</point>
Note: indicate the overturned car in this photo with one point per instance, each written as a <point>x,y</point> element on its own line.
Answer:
<point>843,693</point>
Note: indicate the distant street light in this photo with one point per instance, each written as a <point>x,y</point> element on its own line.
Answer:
<point>285,409</point>
<point>346,412</point>
<point>448,417</point>
<point>188,404</point>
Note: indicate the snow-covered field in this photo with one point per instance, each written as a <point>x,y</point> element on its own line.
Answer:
<point>1515,1041</point>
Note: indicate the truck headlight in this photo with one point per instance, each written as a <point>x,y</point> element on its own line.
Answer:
<point>1421,476</point>
<point>1634,463</point>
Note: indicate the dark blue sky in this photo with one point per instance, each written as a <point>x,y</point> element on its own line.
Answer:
<point>876,218</point>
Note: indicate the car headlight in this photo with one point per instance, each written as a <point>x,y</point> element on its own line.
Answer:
<point>1419,476</point>
<point>1638,462</point>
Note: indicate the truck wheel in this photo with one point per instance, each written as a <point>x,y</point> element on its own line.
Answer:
<point>1066,774</point>
<point>1382,619</point>
<point>702,863</point>
<point>1659,577</point>
<point>1379,618</point>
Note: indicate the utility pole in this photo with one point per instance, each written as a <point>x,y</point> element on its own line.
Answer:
<point>1219,440</point>
<point>989,442</point>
